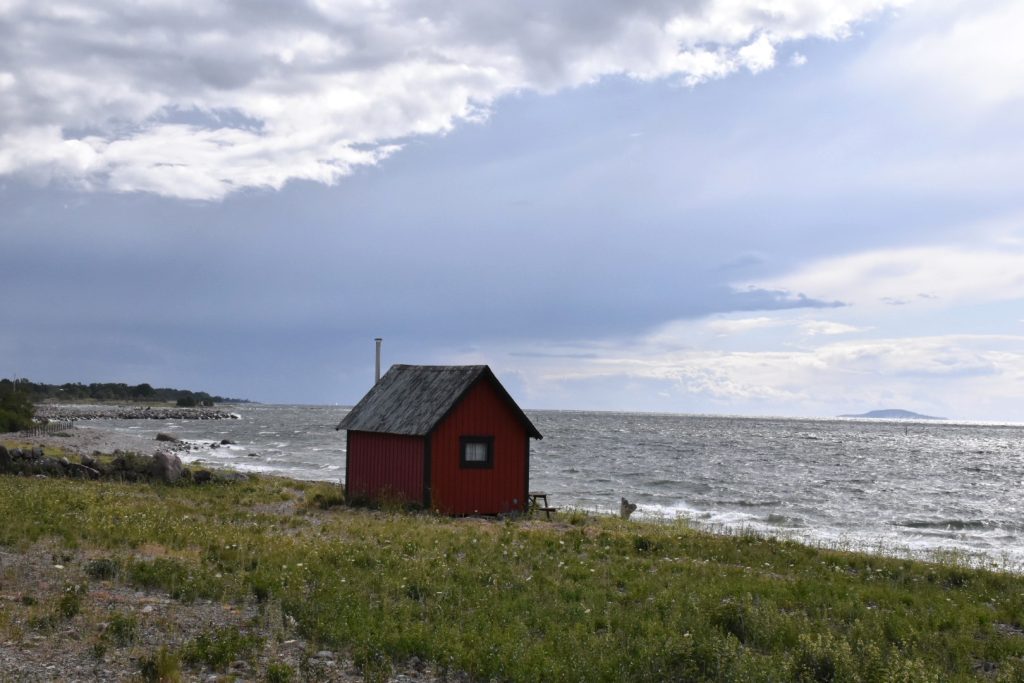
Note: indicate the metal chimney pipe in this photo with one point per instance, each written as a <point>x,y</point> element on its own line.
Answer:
<point>376,374</point>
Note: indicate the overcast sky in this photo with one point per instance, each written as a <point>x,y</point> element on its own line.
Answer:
<point>799,207</point>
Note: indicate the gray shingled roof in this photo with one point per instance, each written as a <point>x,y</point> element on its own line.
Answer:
<point>413,399</point>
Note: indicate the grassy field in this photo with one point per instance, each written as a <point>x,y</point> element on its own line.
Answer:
<point>583,598</point>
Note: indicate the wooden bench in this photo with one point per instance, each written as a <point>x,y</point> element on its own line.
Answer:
<point>539,501</point>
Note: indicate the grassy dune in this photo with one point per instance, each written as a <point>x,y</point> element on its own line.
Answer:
<point>583,598</point>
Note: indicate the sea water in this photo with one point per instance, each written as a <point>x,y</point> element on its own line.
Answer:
<point>893,486</point>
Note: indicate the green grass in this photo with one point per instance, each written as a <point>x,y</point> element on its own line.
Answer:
<point>586,598</point>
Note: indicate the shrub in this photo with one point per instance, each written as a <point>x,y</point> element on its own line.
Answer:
<point>327,496</point>
<point>101,569</point>
<point>821,659</point>
<point>162,667</point>
<point>183,581</point>
<point>279,672</point>
<point>166,573</point>
<point>642,544</point>
<point>122,629</point>
<point>16,409</point>
<point>217,649</point>
<point>372,662</point>
<point>70,603</point>
<point>734,618</point>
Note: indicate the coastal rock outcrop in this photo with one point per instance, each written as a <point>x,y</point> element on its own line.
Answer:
<point>163,467</point>
<point>33,462</point>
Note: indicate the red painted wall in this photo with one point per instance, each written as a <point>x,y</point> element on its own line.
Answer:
<point>384,466</point>
<point>457,491</point>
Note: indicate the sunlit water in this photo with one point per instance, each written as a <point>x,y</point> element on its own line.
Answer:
<point>894,486</point>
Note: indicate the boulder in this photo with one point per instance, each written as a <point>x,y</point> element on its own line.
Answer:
<point>227,442</point>
<point>88,461</point>
<point>166,467</point>
<point>5,459</point>
<point>82,471</point>
<point>202,476</point>
<point>50,466</point>
<point>166,437</point>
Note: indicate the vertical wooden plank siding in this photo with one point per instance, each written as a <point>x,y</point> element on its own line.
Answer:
<point>384,466</point>
<point>501,488</point>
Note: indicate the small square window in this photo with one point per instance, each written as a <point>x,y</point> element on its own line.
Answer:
<point>476,452</point>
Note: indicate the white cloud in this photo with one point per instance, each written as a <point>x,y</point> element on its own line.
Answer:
<point>826,327</point>
<point>758,55</point>
<point>200,100</point>
<point>965,53</point>
<point>727,326</point>
<point>797,59</point>
<point>930,276</point>
<point>737,326</point>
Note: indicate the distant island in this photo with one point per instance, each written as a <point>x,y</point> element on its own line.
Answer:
<point>895,414</point>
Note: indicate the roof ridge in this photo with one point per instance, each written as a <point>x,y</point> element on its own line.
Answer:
<point>406,402</point>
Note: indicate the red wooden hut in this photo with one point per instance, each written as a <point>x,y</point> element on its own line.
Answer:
<point>449,438</point>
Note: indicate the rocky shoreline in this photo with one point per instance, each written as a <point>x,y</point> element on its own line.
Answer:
<point>162,466</point>
<point>53,412</point>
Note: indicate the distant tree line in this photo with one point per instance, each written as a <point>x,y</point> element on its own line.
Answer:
<point>36,392</point>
